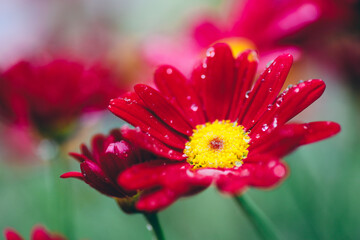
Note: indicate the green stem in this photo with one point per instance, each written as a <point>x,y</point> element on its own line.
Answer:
<point>153,221</point>
<point>262,224</point>
<point>61,197</point>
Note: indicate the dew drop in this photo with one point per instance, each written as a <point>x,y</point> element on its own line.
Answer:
<point>279,101</point>
<point>210,52</point>
<point>296,90</point>
<point>188,97</point>
<point>265,127</point>
<point>203,76</point>
<point>169,71</point>
<point>269,107</point>
<point>247,94</point>
<point>270,89</point>
<point>204,65</point>
<point>194,107</point>
<point>149,227</point>
<point>166,136</point>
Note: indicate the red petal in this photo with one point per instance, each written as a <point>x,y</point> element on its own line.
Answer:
<point>161,173</point>
<point>288,137</point>
<point>144,175</point>
<point>78,157</point>
<point>163,109</point>
<point>265,91</point>
<point>268,174</point>
<point>86,152</point>
<point>173,85</point>
<point>163,182</point>
<point>157,200</point>
<point>218,81</point>
<point>235,181</point>
<point>151,144</point>
<point>97,145</point>
<point>289,104</point>
<point>11,234</point>
<point>137,115</point>
<point>96,178</point>
<point>317,131</point>
<point>77,175</point>
<point>40,233</point>
<point>246,65</point>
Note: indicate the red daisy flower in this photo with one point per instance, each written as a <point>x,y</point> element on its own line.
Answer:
<point>53,95</point>
<point>217,127</point>
<point>38,233</point>
<point>110,155</point>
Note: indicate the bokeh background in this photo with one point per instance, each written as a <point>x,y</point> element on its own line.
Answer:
<point>319,199</point>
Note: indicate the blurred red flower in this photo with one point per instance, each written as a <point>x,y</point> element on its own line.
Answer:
<point>216,127</point>
<point>38,233</point>
<point>51,96</point>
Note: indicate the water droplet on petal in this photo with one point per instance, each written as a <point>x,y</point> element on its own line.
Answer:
<point>202,76</point>
<point>169,71</point>
<point>210,52</point>
<point>265,127</point>
<point>269,107</point>
<point>247,94</point>
<point>194,107</point>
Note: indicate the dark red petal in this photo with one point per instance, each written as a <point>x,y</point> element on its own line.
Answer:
<point>265,90</point>
<point>172,84</point>
<point>289,104</point>
<point>40,233</point>
<point>95,177</point>
<point>246,65</point>
<point>268,174</point>
<point>218,81</point>
<point>77,175</point>
<point>163,109</point>
<point>11,234</point>
<point>78,157</point>
<point>151,144</point>
<point>137,115</point>
<point>118,156</point>
<point>86,152</point>
<point>97,145</point>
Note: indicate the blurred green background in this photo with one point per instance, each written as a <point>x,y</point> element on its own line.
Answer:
<point>319,199</point>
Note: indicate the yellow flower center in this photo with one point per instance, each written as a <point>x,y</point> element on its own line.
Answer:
<point>238,44</point>
<point>221,144</point>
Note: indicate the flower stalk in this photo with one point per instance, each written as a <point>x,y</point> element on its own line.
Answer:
<point>261,223</point>
<point>154,225</point>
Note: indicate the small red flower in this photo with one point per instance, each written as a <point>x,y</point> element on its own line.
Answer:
<point>216,127</point>
<point>100,166</point>
<point>51,96</point>
<point>38,233</point>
